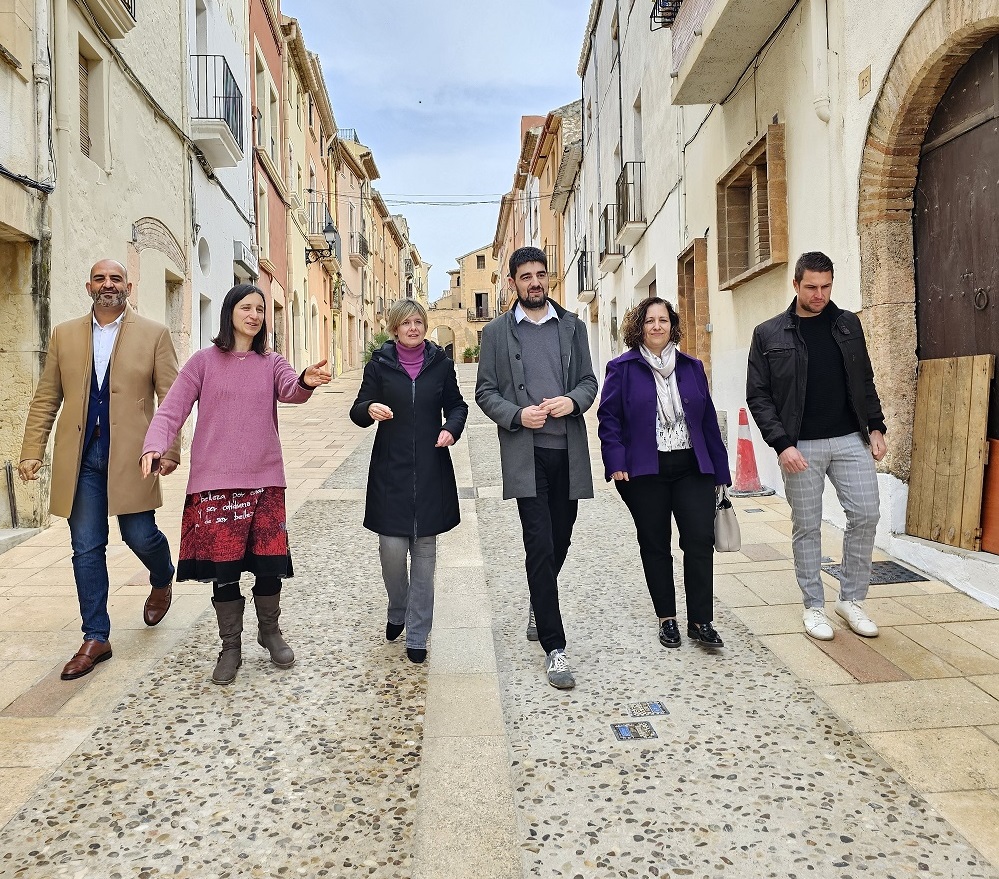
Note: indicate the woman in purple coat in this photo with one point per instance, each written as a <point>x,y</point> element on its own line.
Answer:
<point>661,445</point>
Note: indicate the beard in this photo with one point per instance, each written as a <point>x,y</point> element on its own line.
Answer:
<point>532,298</point>
<point>117,299</point>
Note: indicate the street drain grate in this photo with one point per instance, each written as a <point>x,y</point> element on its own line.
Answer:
<point>648,709</point>
<point>628,732</point>
<point>754,510</point>
<point>881,572</point>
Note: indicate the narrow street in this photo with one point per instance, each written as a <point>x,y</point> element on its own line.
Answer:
<point>778,757</point>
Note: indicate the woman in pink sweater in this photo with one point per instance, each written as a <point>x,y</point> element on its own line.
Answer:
<point>234,515</point>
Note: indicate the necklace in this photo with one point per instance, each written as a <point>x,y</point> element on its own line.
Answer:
<point>241,359</point>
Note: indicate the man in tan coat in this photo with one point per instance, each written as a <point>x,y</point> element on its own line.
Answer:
<point>104,370</point>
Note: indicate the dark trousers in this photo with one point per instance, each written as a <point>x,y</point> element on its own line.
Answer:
<point>547,520</point>
<point>679,490</point>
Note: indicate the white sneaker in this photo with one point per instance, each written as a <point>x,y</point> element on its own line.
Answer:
<point>856,618</point>
<point>817,624</point>
<point>559,674</point>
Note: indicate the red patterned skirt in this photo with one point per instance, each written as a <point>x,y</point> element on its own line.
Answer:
<point>228,531</point>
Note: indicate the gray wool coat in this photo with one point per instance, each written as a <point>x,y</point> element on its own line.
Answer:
<point>500,393</point>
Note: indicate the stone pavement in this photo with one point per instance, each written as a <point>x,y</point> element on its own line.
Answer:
<point>780,756</point>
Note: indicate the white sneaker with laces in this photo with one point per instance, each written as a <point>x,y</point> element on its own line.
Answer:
<point>817,624</point>
<point>856,618</point>
<point>559,675</point>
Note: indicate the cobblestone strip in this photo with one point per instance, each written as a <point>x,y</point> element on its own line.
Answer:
<point>750,775</point>
<point>312,771</point>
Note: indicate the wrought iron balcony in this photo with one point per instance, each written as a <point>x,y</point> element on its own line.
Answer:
<point>631,221</point>
<point>554,269</point>
<point>479,313</point>
<point>611,253</point>
<point>358,250</point>
<point>663,13</point>
<point>217,111</point>
<point>324,238</point>
<point>584,276</point>
<point>713,41</point>
<point>408,267</point>
<point>348,134</point>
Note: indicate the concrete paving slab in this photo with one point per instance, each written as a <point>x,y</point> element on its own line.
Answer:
<point>953,649</point>
<point>984,635</point>
<point>461,706</point>
<point>975,813</point>
<point>911,705</point>
<point>941,759</point>
<point>856,656</point>
<point>803,657</point>
<point>948,608</point>
<point>914,659</point>
<point>989,683</point>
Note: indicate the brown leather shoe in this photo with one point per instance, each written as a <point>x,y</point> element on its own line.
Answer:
<point>86,658</point>
<point>157,605</point>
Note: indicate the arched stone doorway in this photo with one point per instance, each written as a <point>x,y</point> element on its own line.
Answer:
<point>939,44</point>
<point>444,336</point>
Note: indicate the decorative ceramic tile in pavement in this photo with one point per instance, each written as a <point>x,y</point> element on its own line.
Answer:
<point>750,774</point>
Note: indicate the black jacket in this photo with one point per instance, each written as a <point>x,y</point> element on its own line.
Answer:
<point>411,486</point>
<point>778,374</point>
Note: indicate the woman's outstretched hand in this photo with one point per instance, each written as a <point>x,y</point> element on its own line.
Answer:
<point>317,374</point>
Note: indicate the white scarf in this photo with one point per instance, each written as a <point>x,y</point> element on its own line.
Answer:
<point>667,393</point>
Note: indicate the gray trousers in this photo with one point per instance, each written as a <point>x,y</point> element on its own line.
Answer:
<point>850,467</point>
<point>410,588</point>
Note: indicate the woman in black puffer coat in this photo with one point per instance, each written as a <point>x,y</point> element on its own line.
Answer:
<point>410,388</point>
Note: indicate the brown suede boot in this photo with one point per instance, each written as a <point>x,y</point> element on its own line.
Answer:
<point>268,632</point>
<point>230,616</point>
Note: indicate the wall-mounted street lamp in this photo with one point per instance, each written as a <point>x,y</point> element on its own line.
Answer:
<point>332,238</point>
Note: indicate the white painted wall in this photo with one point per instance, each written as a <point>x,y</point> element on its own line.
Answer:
<point>687,149</point>
<point>219,27</point>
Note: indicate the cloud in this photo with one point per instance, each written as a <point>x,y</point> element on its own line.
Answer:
<point>437,89</point>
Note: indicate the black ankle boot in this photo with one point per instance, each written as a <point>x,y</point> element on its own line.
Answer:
<point>393,630</point>
<point>416,655</point>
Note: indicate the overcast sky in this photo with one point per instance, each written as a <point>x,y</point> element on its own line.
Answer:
<point>436,88</point>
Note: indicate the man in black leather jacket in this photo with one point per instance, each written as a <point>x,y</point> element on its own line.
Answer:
<point>810,387</point>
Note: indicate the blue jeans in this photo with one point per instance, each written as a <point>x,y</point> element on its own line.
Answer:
<point>88,532</point>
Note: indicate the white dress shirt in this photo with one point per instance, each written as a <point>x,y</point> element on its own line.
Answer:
<point>104,339</point>
<point>519,315</point>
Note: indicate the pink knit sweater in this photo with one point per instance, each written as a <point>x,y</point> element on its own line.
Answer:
<point>236,443</point>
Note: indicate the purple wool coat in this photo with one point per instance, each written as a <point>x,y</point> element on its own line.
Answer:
<point>627,416</point>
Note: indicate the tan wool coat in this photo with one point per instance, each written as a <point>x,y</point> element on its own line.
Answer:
<point>143,366</point>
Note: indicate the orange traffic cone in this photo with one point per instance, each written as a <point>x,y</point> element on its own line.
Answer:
<point>747,478</point>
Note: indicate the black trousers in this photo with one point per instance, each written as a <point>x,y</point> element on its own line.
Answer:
<point>679,490</point>
<point>547,521</point>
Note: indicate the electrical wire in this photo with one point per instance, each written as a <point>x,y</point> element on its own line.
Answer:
<point>27,181</point>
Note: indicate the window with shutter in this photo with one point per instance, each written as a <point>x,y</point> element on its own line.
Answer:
<point>85,105</point>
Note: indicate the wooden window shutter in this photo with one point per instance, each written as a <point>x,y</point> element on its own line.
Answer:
<point>84,105</point>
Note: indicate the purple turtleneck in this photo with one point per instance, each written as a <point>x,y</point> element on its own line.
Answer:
<point>411,359</point>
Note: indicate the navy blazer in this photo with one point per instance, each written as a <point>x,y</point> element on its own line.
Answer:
<point>627,415</point>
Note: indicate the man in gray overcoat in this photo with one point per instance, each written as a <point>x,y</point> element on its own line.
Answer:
<point>535,381</point>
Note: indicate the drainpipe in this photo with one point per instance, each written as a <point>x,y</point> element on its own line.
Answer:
<point>820,58</point>
<point>43,90</point>
<point>63,58</point>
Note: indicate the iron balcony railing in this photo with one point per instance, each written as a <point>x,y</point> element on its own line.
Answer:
<point>217,94</point>
<point>554,269</point>
<point>584,272</point>
<point>607,228</point>
<point>630,194</point>
<point>359,244</point>
<point>480,312</point>
<point>320,219</point>
<point>130,6</point>
<point>408,266</point>
<point>348,134</point>
<point>663,13</point>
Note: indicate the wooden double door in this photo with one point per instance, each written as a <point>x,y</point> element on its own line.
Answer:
<point>956,229</point>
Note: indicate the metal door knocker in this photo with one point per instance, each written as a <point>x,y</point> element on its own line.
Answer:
<point>981,299</point>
